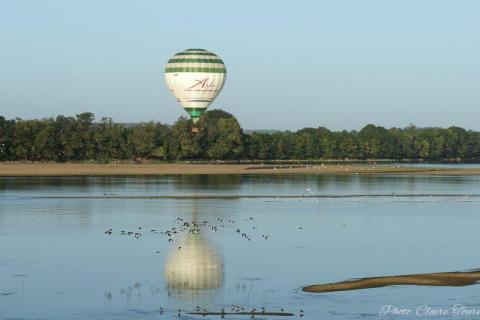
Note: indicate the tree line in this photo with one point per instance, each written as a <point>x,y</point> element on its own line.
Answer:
<point>81,138</point>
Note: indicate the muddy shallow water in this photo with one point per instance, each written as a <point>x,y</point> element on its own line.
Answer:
<point>57,262</point>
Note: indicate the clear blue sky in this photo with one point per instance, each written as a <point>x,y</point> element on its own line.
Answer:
<point>291,64</point>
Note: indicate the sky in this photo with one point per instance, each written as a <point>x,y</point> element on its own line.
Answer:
<point>291,64</point>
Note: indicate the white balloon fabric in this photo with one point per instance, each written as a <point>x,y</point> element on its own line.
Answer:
<point>195,77</point>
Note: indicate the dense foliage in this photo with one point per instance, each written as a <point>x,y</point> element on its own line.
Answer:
<point>221,137</point>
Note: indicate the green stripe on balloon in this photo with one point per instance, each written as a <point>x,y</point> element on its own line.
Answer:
<point>196,54</point>
<point>195,113</point>
<point>196,60</point>
<point>195,69</point>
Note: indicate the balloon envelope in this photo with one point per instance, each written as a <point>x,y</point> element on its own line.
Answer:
<point>195,77</point>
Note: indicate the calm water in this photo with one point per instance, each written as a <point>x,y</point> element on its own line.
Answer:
<point>56,262</point>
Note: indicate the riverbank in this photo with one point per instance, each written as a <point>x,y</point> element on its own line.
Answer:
<point>95,169</point>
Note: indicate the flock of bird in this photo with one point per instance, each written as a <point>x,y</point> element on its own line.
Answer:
<point>235,309</point>
<point>194,227</point>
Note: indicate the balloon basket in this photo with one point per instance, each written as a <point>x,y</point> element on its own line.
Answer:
<point>194,129</point>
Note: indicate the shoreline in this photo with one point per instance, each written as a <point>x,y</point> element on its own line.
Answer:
<point>126,169</point>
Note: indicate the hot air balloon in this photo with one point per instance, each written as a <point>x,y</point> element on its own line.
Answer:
<point>195,77</point>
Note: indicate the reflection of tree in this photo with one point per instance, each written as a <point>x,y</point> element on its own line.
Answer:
<point>195,267</point>
<point>208,181</point>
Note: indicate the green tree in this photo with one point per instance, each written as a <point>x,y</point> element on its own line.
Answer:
<point>44,145</point>
<point>141,140</point>
<point>110,140</point>
<point>183,144</point>
<point>83,142</point>
<point>68,143</point>
<point>372,140</point>
<point>346,145</point>
<point>6,139</point>
<point>220,136</point>
<point>260,146</point>
<point>326,144</point>
<point>456,142</point>
<point>25,133</point>
<point>224,139</point>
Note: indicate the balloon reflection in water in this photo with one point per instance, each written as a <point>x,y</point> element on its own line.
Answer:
<point>196,268</point>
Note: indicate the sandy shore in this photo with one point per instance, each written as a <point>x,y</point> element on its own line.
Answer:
<point>93,169</point>
<point>425,279</point>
